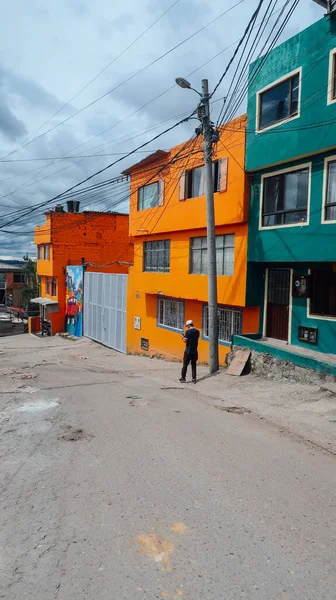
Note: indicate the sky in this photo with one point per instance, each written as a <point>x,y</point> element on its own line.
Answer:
<point>50,51</point>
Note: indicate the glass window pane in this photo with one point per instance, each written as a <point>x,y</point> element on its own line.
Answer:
<point>296,189</point>
<point>196,242</point>
<point>204,261</point>
<point>274,104</point>
<point>331,187</point>
<point>295,95</point>
<point>229,240</point>
<point>229,261</point>
<point>220,241</point>
<point>220,261</point>
<point>149,196</point>
<point>204,242</point>
<point>197,182</point>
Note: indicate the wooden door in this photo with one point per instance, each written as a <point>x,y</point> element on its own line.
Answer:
<point>277,310</point>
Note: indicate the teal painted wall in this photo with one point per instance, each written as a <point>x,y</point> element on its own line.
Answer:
<point>313,242</point>
<point>310,50</point>
<point>326,328</point>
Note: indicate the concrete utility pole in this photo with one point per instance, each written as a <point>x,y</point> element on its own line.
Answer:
<point>204,117</point>
<point>203,114</point>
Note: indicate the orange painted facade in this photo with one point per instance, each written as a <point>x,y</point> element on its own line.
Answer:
<point>179,220</point>
<point>76,238</point>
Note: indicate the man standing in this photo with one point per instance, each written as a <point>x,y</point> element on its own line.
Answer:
<point>191,353</point>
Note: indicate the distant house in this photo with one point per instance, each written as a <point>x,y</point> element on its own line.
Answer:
<point>11,282</point>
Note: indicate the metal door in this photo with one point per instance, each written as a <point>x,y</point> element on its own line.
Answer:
<point>105,309</point>
<point>277,309</point>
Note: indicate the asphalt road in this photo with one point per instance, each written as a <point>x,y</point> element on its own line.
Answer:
<point>113,488</point>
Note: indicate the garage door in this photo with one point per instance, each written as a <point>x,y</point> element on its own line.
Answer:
<point>105,309</point>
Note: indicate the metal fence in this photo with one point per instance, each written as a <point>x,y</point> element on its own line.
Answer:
<point>104,315</point>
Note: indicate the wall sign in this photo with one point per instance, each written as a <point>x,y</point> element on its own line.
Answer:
<point>137,323</point>
<point>144,344</point>
<point>308,334</point>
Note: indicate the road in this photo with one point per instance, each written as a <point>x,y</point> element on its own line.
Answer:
<point>114,488</point>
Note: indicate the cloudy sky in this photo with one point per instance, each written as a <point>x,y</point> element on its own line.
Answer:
<point>50,51</point>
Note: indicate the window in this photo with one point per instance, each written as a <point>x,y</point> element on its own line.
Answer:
<point>279,102</point>
<point>285,198</point>
<point>48,286</point>
<point>332,77</point>
<point>157,256</point>
<point>224,254</point>
<point>330,201</point>
<point>171,313</point>
<point>18,278</point>
<point>229,323</point>
<point>192,182</point>
<point>323,298</point>
<point>39,252</point>
<point>151,195</point>
<point>46,252</point>
<point>54,286</point>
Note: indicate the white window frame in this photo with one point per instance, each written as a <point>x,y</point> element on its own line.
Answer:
<point>232,310</point>
<point>223,235</point>
<point>162,325</point>
<point>40,252</point>
<point>160,190</point>
<point>46,250</point>
<point>327,160</point>
<point>331,72</point>
<point>280,172</point>
<point>297,71</point>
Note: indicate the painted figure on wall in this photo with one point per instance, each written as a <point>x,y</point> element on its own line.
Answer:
<point>74,300</point>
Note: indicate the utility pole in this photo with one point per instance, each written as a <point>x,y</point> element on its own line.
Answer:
<point>204,117</point>
<point>203,114</point>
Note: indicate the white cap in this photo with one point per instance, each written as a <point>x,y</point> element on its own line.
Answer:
<point>189,322</point>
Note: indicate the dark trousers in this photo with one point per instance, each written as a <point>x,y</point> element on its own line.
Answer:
<point>189,358</point>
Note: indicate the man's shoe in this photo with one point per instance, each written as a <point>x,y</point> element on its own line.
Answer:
<point>181,380</point>
<point>194,381</point>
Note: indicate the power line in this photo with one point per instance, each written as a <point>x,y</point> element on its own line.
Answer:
<point>22,145</point>
<point>131,76</point>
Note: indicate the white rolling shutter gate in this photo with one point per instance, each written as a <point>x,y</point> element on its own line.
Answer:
<point>104,316</point>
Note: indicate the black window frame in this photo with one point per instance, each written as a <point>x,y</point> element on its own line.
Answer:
<point>323,294</point>
<point>189,175</point>
<point>220,249</point>
<point>140,201</point>
<point>291,114</point>
<point>333,91</point>
<point>20,275</point>
<point>283,212</point>
<point>152,250</point>
<point>54,287</point>
<point>48,286</point>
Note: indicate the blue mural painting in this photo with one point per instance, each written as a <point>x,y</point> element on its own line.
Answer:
<point>74,300</point>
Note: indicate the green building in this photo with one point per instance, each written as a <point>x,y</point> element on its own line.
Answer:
<point>291,160</point>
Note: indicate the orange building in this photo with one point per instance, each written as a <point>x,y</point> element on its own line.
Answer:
<point>72,238</point>
<point>168,284</point>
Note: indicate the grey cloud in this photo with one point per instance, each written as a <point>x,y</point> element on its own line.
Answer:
<point>10,126</point>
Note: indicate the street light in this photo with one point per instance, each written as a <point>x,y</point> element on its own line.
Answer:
<point>203,114</point>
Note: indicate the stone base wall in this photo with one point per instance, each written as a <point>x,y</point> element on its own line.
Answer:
<point>266,365</point>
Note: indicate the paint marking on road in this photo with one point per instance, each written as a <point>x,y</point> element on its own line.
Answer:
<point>179,528</point>
<point>157,549</point>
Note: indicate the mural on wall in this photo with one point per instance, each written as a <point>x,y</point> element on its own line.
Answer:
<point>74,300</point>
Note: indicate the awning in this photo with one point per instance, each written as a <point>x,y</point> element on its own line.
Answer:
<point>43,301</point>
<point>52,305</point>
